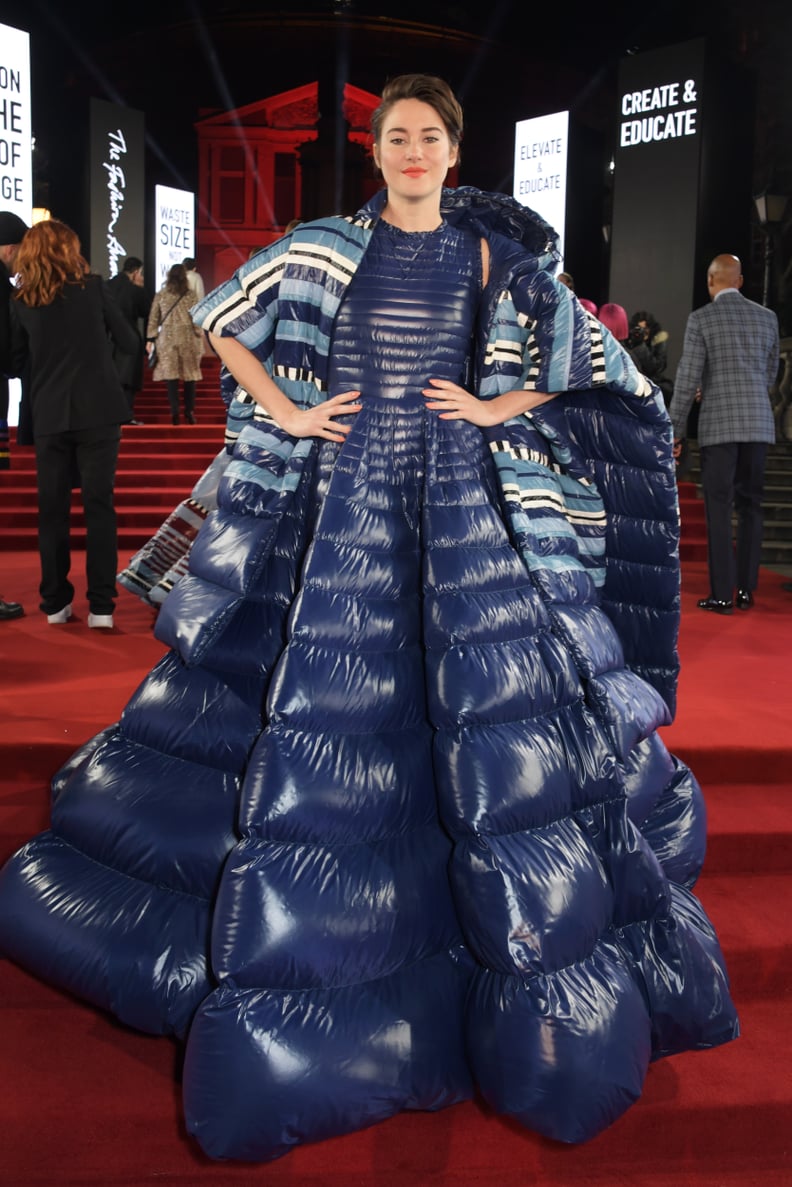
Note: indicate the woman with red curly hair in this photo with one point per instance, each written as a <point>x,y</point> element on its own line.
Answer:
<point>62,316</point>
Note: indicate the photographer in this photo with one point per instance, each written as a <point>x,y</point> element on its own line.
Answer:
<point>647,344</point>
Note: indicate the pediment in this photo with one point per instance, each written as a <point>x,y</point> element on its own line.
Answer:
<point>297,108</point>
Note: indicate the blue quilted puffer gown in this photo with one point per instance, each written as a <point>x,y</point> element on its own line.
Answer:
<point>434,882</point>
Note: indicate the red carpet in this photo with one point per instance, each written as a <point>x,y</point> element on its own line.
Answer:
<point>86,1102</point>
<point>693,546</point>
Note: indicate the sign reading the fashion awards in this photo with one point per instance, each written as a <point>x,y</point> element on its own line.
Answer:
<point>16,139</point>
<point>662,112</point>
<point>116,185</point>
<point>541,148</point>
<point>175,228</point>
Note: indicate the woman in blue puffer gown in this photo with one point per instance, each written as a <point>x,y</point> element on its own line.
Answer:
<point>391,823</point>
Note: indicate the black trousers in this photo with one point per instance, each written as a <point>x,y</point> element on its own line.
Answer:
<point>172,386</point>
<point>130,393</point>
<point>93,454</point>
<point>732,479</point>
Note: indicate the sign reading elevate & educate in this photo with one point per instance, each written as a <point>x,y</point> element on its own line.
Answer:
<point>541,149</point>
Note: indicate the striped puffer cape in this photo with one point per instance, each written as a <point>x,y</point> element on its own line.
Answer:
<point>370,845</point>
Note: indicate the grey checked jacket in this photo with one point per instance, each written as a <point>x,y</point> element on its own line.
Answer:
<point>731,353</point>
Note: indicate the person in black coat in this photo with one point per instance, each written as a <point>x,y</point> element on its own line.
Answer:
<point>61,315</point>
<point>12,231</point>
<point>647,345</point>
<point>131,298</point>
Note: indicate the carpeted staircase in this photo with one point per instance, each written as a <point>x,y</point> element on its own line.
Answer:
<point>158,465</point>
<point>777,503</point>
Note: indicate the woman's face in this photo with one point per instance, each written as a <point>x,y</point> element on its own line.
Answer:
<point>414,151</point>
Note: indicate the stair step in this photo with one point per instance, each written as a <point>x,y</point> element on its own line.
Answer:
<point>774,491</point>
<point>750,914</point>
<point>744,842</point>
<point>128,514</point>
<point>145,456</point>
<point>777,552</point>
<point>776,530</point>
<point>129,539</point>
<point>175,486</point>
<point>781,511</point>
<point>160,418</point>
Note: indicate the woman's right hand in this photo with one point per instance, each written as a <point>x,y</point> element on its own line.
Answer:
<point>319,420</point>
<point>252,377</point>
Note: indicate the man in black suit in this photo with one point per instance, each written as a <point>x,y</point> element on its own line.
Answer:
<point>129,295</point>
<point>12,230</point>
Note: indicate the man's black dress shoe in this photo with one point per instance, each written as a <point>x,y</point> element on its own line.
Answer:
<point>190,418</point>
<point>744,599</point>
<point>716,605</point>
<point>10,610</point>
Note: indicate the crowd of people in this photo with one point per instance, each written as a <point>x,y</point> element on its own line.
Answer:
<point>641,335</point>
<point>401,760</point>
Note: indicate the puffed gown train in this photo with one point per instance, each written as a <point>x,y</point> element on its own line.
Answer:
<point>405,830</point>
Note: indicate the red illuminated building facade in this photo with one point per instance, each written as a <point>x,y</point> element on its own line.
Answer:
<point>277,159</point>
<point>253,171</point>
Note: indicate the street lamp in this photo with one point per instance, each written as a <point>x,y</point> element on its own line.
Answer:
<point>770,208</point>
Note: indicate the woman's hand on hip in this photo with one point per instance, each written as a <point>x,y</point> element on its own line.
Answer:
<point>454,403</point>
<point>320,420</point>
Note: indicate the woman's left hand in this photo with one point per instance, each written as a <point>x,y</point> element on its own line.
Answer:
<point>454,403</point>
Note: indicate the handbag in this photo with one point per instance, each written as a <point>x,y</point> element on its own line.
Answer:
<point>152,358</point>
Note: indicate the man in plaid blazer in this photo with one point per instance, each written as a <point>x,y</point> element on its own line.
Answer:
<point>731,354</point>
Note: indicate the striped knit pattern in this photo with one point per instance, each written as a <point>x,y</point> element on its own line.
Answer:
<point>152,572</point>
<point>559,521</point>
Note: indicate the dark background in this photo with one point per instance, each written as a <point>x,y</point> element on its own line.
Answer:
<point>506,61</point>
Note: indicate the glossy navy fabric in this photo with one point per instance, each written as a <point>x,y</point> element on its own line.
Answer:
<point>406,829</point>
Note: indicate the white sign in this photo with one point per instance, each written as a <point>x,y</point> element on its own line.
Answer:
<point>175,222</point>
<point>16,138</point>
<point>114,164</point>
<point>116,185</point>
<point>541,147</point>
<point>14,397</point>
<point>665,112</point>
